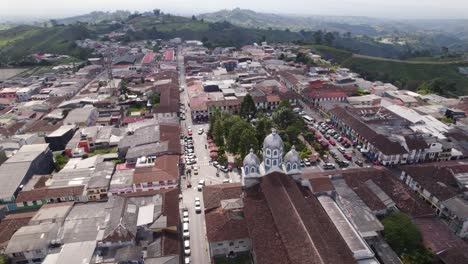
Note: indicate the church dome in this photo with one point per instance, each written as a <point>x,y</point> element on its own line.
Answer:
<point>292,156</point>
<point>273,141</point>
<point>251,159</point>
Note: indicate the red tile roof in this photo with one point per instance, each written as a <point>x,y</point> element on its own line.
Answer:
<point>11,224</point>
<point>224,225</point>
<point>304,228</point>
<point>214,194</point>
<point>437,177</point>
<point>50,193</point>
<point>165,168</point>
<point>437,235</point>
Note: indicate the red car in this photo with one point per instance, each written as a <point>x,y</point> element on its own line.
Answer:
<point>190,132</point>
<point>332,142</point>
<point>347,156</point>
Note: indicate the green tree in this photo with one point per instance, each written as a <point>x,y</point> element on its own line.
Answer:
<point>401,233</point>
<point>284,104</point>
<point>420,256</point>
<point>218,133</point>
<point>247,141</point>
<point>228,123</point>
<point>293,132</point>
<point>233,141</point>
<point>318,36</point>
<point>247,108</point>
<point>262,128</point>
<point>4,259</point>
<point>329,38</point>
<point>283,117</point>
<point>60,161</point>
<point>222,159</point>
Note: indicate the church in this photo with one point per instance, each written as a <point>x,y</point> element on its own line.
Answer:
<point>286,219</point>
<point>273,161</point>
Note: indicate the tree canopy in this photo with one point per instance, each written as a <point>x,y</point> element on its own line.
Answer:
<point>405,239</point>
<point>248,108</point>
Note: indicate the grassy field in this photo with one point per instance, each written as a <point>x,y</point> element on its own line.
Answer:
<point>330,53</point>
<point>11,35</point>
<point>409,75</point>
<point>19,42</point>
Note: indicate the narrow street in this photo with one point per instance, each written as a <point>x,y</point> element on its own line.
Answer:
<point>197,229</point>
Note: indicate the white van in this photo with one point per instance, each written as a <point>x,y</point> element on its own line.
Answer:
<point>341,149</point>
<point>186,230</point>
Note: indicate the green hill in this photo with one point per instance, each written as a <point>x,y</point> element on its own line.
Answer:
<point>19,42</point>
<point>411,75</point>
<point>406,74</point>
<point>216,34</point>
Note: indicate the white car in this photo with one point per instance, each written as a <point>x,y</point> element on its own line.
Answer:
<point>185,216</point>
<point>187,260</point>
<point>197,208</point>
<point>201,131</point>
<point>197,199</point>
<point>187,247</point>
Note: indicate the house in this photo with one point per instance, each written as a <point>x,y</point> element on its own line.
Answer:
<point>387,149</point>
<point>364,100</point>
<point>30,244</point>
<point>25,93</point>
<point>163,175</point>
<point>440,184</point>
<point>8,93</point>
<point>17,170</point>
<point>226,227</point>
<point>59,138</point>
<point>82,117</point>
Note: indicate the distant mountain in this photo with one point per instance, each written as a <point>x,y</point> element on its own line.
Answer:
<point>96,17</point>
<point>425,34</point>
<point>248,18</point>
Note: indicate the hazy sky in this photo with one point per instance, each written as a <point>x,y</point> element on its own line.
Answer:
<point>372,8</point>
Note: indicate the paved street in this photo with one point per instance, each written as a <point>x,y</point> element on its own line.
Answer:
<point>198,239</point>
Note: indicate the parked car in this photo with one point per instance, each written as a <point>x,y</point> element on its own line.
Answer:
<point>341,149</point>
<point>342,163</point>
<point>340,139</point>
<point>359,163</point>
<point>347,156</point>
<point>201,131</point>
<point>185,214</point>
<point>327,137</point>
<point>307,162</point>
<point>346,145</point>
<point>197,208</point>
<point>336,136</point>
<point>190,132</point>
<point>215,164</point>
<point>332,142</point>
<point>332,153</point>
<point>185,229</point>
<point>302,164</point>
<point>224,169</point>
<point>187,260</point>
<point>328,166</point>
<point>187,247</point>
